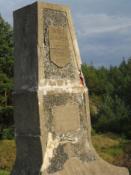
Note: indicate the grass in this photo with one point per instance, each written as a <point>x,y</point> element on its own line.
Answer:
<point>110,147</point>
<point>7,154</point>
<point>113,149</point>
<point>2,172</point>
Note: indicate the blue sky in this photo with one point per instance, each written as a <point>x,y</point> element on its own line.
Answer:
<point>103,27</point>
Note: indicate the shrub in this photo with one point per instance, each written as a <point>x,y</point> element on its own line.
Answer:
<point>8,133</point>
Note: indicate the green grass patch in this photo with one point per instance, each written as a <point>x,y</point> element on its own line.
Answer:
<point>2,172</point>
<point>109,146</point>
<point>114,150</point>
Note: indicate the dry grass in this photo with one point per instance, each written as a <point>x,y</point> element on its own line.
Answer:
<point>110,147</point>
<point>7,154</point>
<point>113,149</point>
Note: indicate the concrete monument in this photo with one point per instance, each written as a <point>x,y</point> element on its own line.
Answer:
<point>52,117</point>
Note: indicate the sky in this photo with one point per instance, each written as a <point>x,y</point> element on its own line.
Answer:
<point>103,27</point>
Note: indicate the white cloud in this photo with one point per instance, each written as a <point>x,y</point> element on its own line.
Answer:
<point>92,24</point>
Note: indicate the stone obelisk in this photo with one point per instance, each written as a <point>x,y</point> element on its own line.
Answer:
<point>52,117</point>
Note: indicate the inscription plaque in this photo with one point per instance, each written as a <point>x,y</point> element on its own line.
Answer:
<point>66,118</point>
<point>59,46</point>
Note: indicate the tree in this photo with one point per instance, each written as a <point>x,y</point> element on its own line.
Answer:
<point>110,97</point>
<point>6,75</point>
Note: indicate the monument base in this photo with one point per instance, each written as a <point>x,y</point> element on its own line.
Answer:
<point>98,167</point>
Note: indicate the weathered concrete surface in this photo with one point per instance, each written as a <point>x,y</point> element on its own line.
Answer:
<point>52,117</point>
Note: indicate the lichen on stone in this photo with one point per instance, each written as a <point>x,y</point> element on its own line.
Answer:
<point>57,162</point>
<point>57,19</point>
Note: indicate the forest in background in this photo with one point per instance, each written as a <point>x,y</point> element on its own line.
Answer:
<point>110,97</point>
